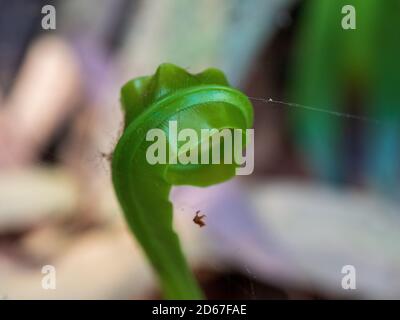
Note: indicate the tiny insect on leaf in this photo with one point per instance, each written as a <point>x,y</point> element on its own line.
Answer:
<point>198,219</point>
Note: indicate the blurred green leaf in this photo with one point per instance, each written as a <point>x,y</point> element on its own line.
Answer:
<point>332,65</point>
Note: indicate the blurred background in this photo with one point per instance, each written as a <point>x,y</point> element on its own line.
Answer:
<point>325,190</point>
